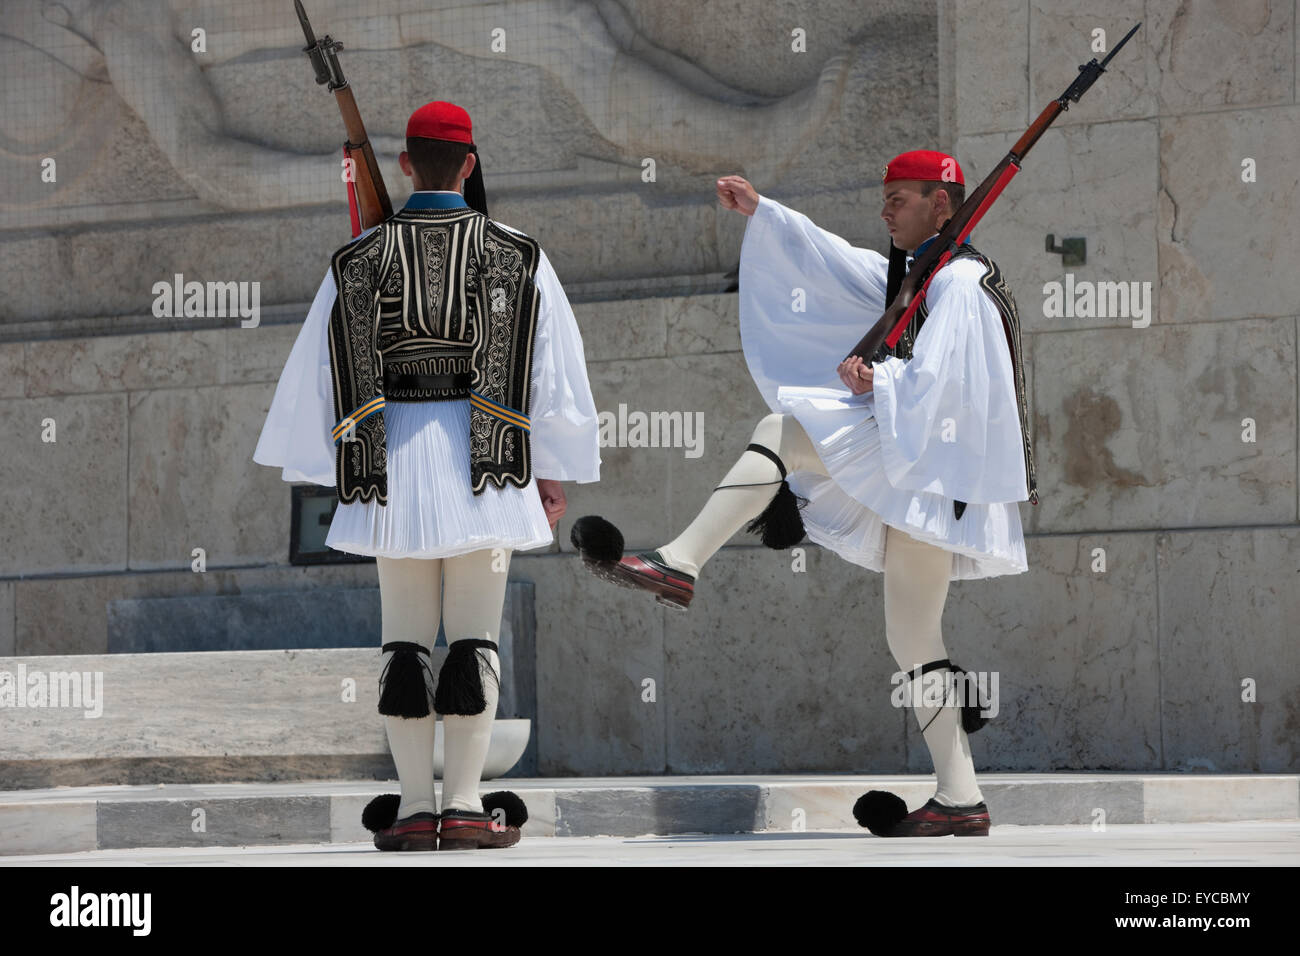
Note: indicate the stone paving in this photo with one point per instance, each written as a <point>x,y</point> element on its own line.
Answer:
<point>1197,844</point>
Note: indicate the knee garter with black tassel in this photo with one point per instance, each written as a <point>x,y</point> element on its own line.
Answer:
<point>971,717</point>
<point>780,525</point>
<point>460,682</point>
<point>406,682</point>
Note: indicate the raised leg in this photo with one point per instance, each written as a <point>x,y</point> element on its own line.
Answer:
<point>729,508</point>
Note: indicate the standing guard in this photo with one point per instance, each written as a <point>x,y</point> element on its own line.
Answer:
<point>439,383</point>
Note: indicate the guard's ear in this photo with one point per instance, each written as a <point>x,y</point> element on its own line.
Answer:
<point>404,160</point>
<point>942,207</point>
<point>934,196</point>
<point>471,160</point>
<point>953,204</point>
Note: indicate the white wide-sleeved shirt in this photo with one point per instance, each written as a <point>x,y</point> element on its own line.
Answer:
<point>941,427</point>
<point>564,437</point>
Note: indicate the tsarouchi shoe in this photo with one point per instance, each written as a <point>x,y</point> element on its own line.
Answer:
<point>419,831</point>
<point>937,819</point>
<point>647,572</point>
<point>465,830</point>
<point>601,545</point>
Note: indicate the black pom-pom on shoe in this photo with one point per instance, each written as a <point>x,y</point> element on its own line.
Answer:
<point>509,801</point>
<point>879,811</point>
<point>597,539</point>
<point>381,812</point>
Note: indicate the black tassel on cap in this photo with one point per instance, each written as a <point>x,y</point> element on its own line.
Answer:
<point>475,193</point>
<point>780,524</point>
<point>406,680</point>
<point>460,682</point>
<point>897,272</point>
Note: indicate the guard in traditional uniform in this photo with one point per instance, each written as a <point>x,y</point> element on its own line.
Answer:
<point>916,470</point>
<point>439,383</point>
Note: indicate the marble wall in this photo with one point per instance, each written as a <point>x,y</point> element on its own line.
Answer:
<point>130,156</point>
<point>1156,626</point>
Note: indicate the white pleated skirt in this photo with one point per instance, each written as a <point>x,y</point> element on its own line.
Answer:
<point>848,511</point>
<point>431,511</point>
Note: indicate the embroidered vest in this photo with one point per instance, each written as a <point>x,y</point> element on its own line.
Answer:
<point>993,283</point>
<point>441,303</point>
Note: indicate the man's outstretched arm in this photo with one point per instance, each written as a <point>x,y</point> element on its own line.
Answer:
<point>806,295</point>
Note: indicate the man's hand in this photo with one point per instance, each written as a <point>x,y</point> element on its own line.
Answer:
<point>736,193</point>
<point>552,495</point>
<point>856,374</point>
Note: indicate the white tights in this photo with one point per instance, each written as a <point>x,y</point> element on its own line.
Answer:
<point>916,584</point>
<point>468,592</point>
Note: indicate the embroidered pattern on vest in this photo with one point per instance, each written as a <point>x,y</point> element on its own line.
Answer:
<point>503,355</point>
<point>361,465</point>
<point>434,292</point>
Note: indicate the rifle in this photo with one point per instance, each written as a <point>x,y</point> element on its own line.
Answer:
<point>899,313</point>
<point>366,187</point>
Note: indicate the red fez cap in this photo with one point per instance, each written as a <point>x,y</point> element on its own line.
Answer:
<point>439,120</point>
<point>927,165</point>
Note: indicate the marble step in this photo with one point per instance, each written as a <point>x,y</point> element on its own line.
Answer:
<point>65,820</point>
<point>206,717</point>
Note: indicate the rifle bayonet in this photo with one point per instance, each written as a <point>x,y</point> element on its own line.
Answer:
<point>1089,72</point>
<point>371,195</point>
<point>903,306</point>
<point>323,53</point>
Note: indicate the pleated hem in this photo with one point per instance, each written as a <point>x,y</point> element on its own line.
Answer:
<point>431,510</point>
<point>449,551</point>
<point>848,511</point>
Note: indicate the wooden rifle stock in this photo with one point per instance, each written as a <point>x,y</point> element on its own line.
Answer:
<point>372,196</point>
